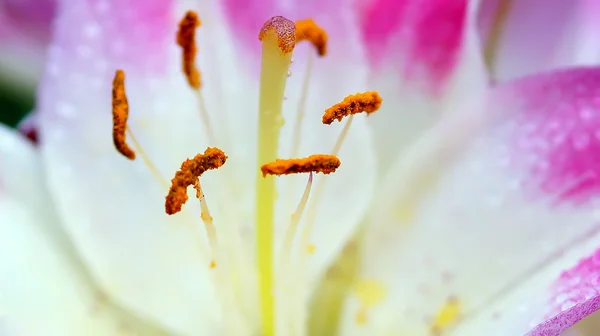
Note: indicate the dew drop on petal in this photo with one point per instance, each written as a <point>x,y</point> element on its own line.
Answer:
<point>581,141</point>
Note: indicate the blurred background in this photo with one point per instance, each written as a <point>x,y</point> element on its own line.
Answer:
<point>14,104</point>
<point>24,32</point>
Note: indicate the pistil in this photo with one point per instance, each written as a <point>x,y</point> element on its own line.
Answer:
<point>278,38</point>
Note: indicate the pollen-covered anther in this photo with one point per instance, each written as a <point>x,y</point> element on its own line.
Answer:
<point>368,102</point>
<point>188,174</point>
<point>318,163</point>
<point>186,39</point>
<point>308,30</point>
<point>284,29</point>
<point>120,112</point>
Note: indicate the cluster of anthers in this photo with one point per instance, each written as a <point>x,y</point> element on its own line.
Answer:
<point>279,37</point>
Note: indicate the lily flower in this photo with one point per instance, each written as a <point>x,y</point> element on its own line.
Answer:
<point>484,223</point>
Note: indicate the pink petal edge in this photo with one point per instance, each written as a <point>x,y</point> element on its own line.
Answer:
<point>576,294</point>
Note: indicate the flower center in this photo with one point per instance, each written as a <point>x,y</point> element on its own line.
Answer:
<point>279,37</point>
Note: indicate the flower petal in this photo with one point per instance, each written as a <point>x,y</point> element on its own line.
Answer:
<point>525,37</point>
<point>52,298</point>
<point>113,208</point>
<point>485,203</point>
<point>427,61</point>
<point>20,169</point>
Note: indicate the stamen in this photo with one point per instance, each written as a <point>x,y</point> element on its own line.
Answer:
<point>186,38</point>
<point>292,227</point>
<point>120,112</point>
<point>308,30</point>
<point>301,106</point>
<point>368,102</point>
<point>318,163</point>
<point>278,36</point>
<point>208,223</point>
<point>188,174</point>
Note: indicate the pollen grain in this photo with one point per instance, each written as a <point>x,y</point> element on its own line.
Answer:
<point>308,30</point>
<point>186,39</point>
<point>368,102</point>
<point>285,31</point>
<point>188,174</point>
<point>318,163</point>
<point>120,112</point>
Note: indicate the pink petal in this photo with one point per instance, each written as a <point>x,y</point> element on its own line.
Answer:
<point>25,27</point>
<point>429,34</point>
<point>132,33</point>
<point>561,125</point>
<point>27,17</point>
<point>576,294</point>
<point>491,198</point>
<point>540,35</point>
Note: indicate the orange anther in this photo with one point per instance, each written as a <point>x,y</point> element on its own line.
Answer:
<point>285,31</point>
<point>368,102</point>
<point>318,163</point>
<point>186,38</point>
<point>120,112</point>
<point>188,174</point>
<point>308,30</point>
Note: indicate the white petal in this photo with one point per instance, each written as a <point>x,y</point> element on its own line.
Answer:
<point>20,168</point>
<point>484,203</point>
<point>42,291</point>
<point>113,208</point>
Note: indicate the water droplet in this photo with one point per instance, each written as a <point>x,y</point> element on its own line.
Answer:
<point>581,141</point>
<point>100,65</point>
<point>102,6</point>
<point>65,109</point>
<point>279,122</point>
<point>289,73</point>
<point>586,114</point>
<point>558,139</point>
<point>91,30</point>
<point>84,51</point>
<point>52,69</point>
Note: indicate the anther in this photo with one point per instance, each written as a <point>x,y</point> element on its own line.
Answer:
<point>188,174</point>
<point>120,112</point>
<point>308,30</point>
<point>318,163</point>
<point>284,29</point>
<point>186,38</point>
<point>368,102</point>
